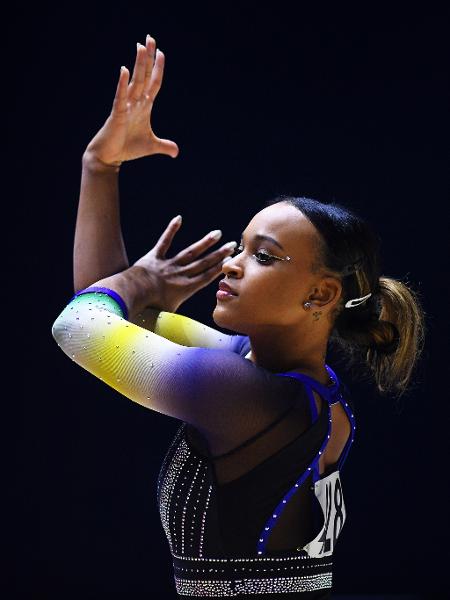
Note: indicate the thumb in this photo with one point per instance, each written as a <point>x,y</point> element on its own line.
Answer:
<point>168,147</point>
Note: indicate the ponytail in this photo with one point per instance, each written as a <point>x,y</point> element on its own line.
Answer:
<point>387,334</point>
<point>397,337</point>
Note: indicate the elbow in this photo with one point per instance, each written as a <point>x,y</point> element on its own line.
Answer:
<point>60,332</point>
<point>56,331</point>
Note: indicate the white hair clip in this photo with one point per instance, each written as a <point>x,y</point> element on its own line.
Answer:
<point>356,301</point>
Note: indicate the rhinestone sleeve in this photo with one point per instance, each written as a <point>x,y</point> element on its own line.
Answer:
<point>210,388</point>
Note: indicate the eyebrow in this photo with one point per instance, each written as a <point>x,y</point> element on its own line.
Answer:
<point>260,236</point>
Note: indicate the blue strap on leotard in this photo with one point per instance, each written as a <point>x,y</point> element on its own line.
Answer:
<point>332,395</point>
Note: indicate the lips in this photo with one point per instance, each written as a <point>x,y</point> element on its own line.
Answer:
<point>226,288</point>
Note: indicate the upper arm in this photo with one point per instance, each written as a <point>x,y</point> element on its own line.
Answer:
<point>184,330</point>
<point>209,388</point>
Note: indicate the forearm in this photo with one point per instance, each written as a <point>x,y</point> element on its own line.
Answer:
<point>99,249</point>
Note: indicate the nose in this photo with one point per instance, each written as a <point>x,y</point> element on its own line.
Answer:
<point>231,267</point>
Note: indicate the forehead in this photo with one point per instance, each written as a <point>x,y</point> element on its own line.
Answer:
<point>286,224</point>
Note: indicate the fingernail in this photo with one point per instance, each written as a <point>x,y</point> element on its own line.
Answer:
<point>178,219</point>
<point>230,245</point>
<point>216,234</point>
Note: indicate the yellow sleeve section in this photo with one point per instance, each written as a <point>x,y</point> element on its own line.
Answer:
<point>181,329</point>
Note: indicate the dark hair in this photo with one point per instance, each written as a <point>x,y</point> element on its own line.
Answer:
<point>387,330</point>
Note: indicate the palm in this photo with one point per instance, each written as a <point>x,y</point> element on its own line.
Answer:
<point>127,133</point>
<point>138,138</point>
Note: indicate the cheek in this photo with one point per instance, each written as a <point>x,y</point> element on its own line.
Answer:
<point>286,299</point>
<point>273,292</point>
<point>289,298</point>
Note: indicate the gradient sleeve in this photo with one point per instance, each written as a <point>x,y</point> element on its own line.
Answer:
<point>209,388</point>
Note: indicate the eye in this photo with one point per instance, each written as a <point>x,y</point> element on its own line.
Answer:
<point>262,256</point>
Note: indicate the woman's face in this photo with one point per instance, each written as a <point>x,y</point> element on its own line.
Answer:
<point>271,294</point>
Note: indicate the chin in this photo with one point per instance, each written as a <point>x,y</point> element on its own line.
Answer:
<point>219,317</point>
<point>223,319</point>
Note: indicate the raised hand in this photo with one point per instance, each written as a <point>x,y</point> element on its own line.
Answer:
<point>127,133</point>
<point>173,280</point>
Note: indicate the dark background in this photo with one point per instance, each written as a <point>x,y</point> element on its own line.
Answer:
<point>332,103</point>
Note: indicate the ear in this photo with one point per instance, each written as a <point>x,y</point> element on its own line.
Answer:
<point>326,293</point>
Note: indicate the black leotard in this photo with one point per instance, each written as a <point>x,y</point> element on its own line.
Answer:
<point>241,500</point>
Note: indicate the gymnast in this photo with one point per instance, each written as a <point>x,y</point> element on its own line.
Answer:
<point>250,490</point>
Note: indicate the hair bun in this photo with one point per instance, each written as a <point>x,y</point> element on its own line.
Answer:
<point>390,346</point>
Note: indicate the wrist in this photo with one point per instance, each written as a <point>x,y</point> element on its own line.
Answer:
<point>91,162</point>
<point>152,294</point>
<point>130,285</point>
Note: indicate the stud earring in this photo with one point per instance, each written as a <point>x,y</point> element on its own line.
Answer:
<point>307,305</point>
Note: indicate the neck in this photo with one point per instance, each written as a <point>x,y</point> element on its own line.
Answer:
<point>288,350</point>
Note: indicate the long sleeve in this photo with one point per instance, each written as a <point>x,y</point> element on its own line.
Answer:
<point>212,389</point>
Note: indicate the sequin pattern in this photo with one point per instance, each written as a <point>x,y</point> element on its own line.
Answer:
<point>184,496</point>
<point>271,585</point>
<point>230,577</point>
<point>167,490</point>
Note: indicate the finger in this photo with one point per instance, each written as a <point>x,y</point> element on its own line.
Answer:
<point>120,99</point>
<point>137,82</point>
<point>203,279</point>
<point>216,258</point>
<point>163,244</point>
<point>187,257</point>
<point>135,68</point>
<point>168,147</point>
<point>150,44</point>
<point>155,82</point>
